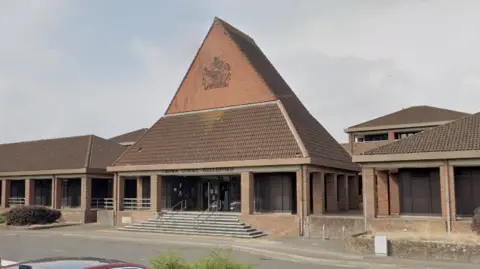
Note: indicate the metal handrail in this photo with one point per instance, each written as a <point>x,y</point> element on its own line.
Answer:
<point>206,211</point>
<point>16,201</point>
<point>182,204</point>
<point>136,203</point>
<point>102,203</point>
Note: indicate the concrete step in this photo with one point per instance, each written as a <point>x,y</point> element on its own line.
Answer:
<point>186,213</point>
<point>189,219</point>
<point>199,223</point>
<point>187,226</point>
<point>200,212</point>
<point>197,232</point>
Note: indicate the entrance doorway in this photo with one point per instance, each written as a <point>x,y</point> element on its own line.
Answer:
<point>220,193</point>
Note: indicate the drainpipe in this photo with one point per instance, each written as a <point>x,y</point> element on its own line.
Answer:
<point>301,213</point>
<point>364,197</point>
<point>447,196</point>
<point>115,195</point>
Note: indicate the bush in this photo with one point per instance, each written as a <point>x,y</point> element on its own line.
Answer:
<point>217,260</point>
<point>30,215</point>
<point>2,219</point>
<point>476,221</point>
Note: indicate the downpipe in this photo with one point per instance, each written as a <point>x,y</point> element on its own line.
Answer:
<point>115,191</point>
<point>364,198</point>
<point>302,203</point>
<point>447,196</point>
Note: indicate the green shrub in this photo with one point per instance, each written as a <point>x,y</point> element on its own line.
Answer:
<point>30,215</point>
<point>2,219</point>
<point>217,260</point>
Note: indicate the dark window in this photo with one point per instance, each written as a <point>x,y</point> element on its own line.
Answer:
<point>375,137</point>
<point>43,192</point>
<point>71,192</point>
<point>275,192</point>
<point>401,135</point>
<point>467,187</point>
<point>420,191</point>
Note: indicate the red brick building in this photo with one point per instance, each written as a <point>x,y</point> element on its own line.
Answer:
<point>425,182</point>
<point>236,133</point>
<point>397,125</point>
<point>64,173</point>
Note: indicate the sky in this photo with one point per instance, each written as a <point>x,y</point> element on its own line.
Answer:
<point>108,67</point>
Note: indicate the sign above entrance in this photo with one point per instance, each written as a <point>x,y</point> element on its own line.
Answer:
<point>202,171</point>
<point>216,74</point>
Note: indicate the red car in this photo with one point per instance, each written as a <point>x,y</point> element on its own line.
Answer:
<point>74,263</point>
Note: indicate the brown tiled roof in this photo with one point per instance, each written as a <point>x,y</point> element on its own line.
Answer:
<point>240,133</point>
<point>414,114</point>
<point>317,140</point>
<point>459,135</point>
<point>62,153</point>
<point>132,136</point>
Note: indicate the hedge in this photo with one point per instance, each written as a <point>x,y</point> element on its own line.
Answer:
<point>31,215</point>
<point>217,260</point>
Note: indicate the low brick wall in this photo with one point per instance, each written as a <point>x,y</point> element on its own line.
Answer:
<point>431,226</point>
<point>124,218</point>
<point>274,224</point>
<point>335,227</point>
<point>78,215</point>
<point>363,243</point>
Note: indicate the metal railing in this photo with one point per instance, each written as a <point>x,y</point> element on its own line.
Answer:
<point>136,203</point>
<point>181,205</point>
<point>108,203</point>
<point>101,203</point>
<point>211,209</point>
<point>70,202</point>
<point>16,201</point>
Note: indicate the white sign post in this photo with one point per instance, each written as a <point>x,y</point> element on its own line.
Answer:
<point>381,245</point>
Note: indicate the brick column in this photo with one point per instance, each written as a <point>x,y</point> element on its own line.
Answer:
<point>139,192</point>
<point>119,192</point>
<point>318,190</point>
<point>6,190</point>
<point>246,192</point>
<point>303,192</point>
<point>156,184</point>
<point>353,192</point>
<point>369,192</point>
<point>447,173</point>
<point>382,189</point>
<point>86,193</point>
<point>57,193</point>
<point>391,135</point>
<point>394,188</point>
<point>29,191</point>
<point>332,192</point>
<point>342,184</point>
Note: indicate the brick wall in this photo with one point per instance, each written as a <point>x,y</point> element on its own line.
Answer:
<point>382,193</point>
<point>274,224</point>
<point>133,217</point>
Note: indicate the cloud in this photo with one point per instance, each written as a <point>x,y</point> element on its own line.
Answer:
<point>79,67</point>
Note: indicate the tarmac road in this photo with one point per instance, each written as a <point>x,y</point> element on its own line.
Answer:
<point>90,240</point>
<point>21,245</point>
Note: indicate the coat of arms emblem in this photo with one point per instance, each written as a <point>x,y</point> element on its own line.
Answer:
<point>216,74</point>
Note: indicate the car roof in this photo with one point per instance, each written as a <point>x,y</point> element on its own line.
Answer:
<point>73,263</point>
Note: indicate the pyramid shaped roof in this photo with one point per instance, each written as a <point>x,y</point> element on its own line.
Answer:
<point>233,105</point>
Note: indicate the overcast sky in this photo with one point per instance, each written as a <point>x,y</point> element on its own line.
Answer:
<point>108,67</point>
